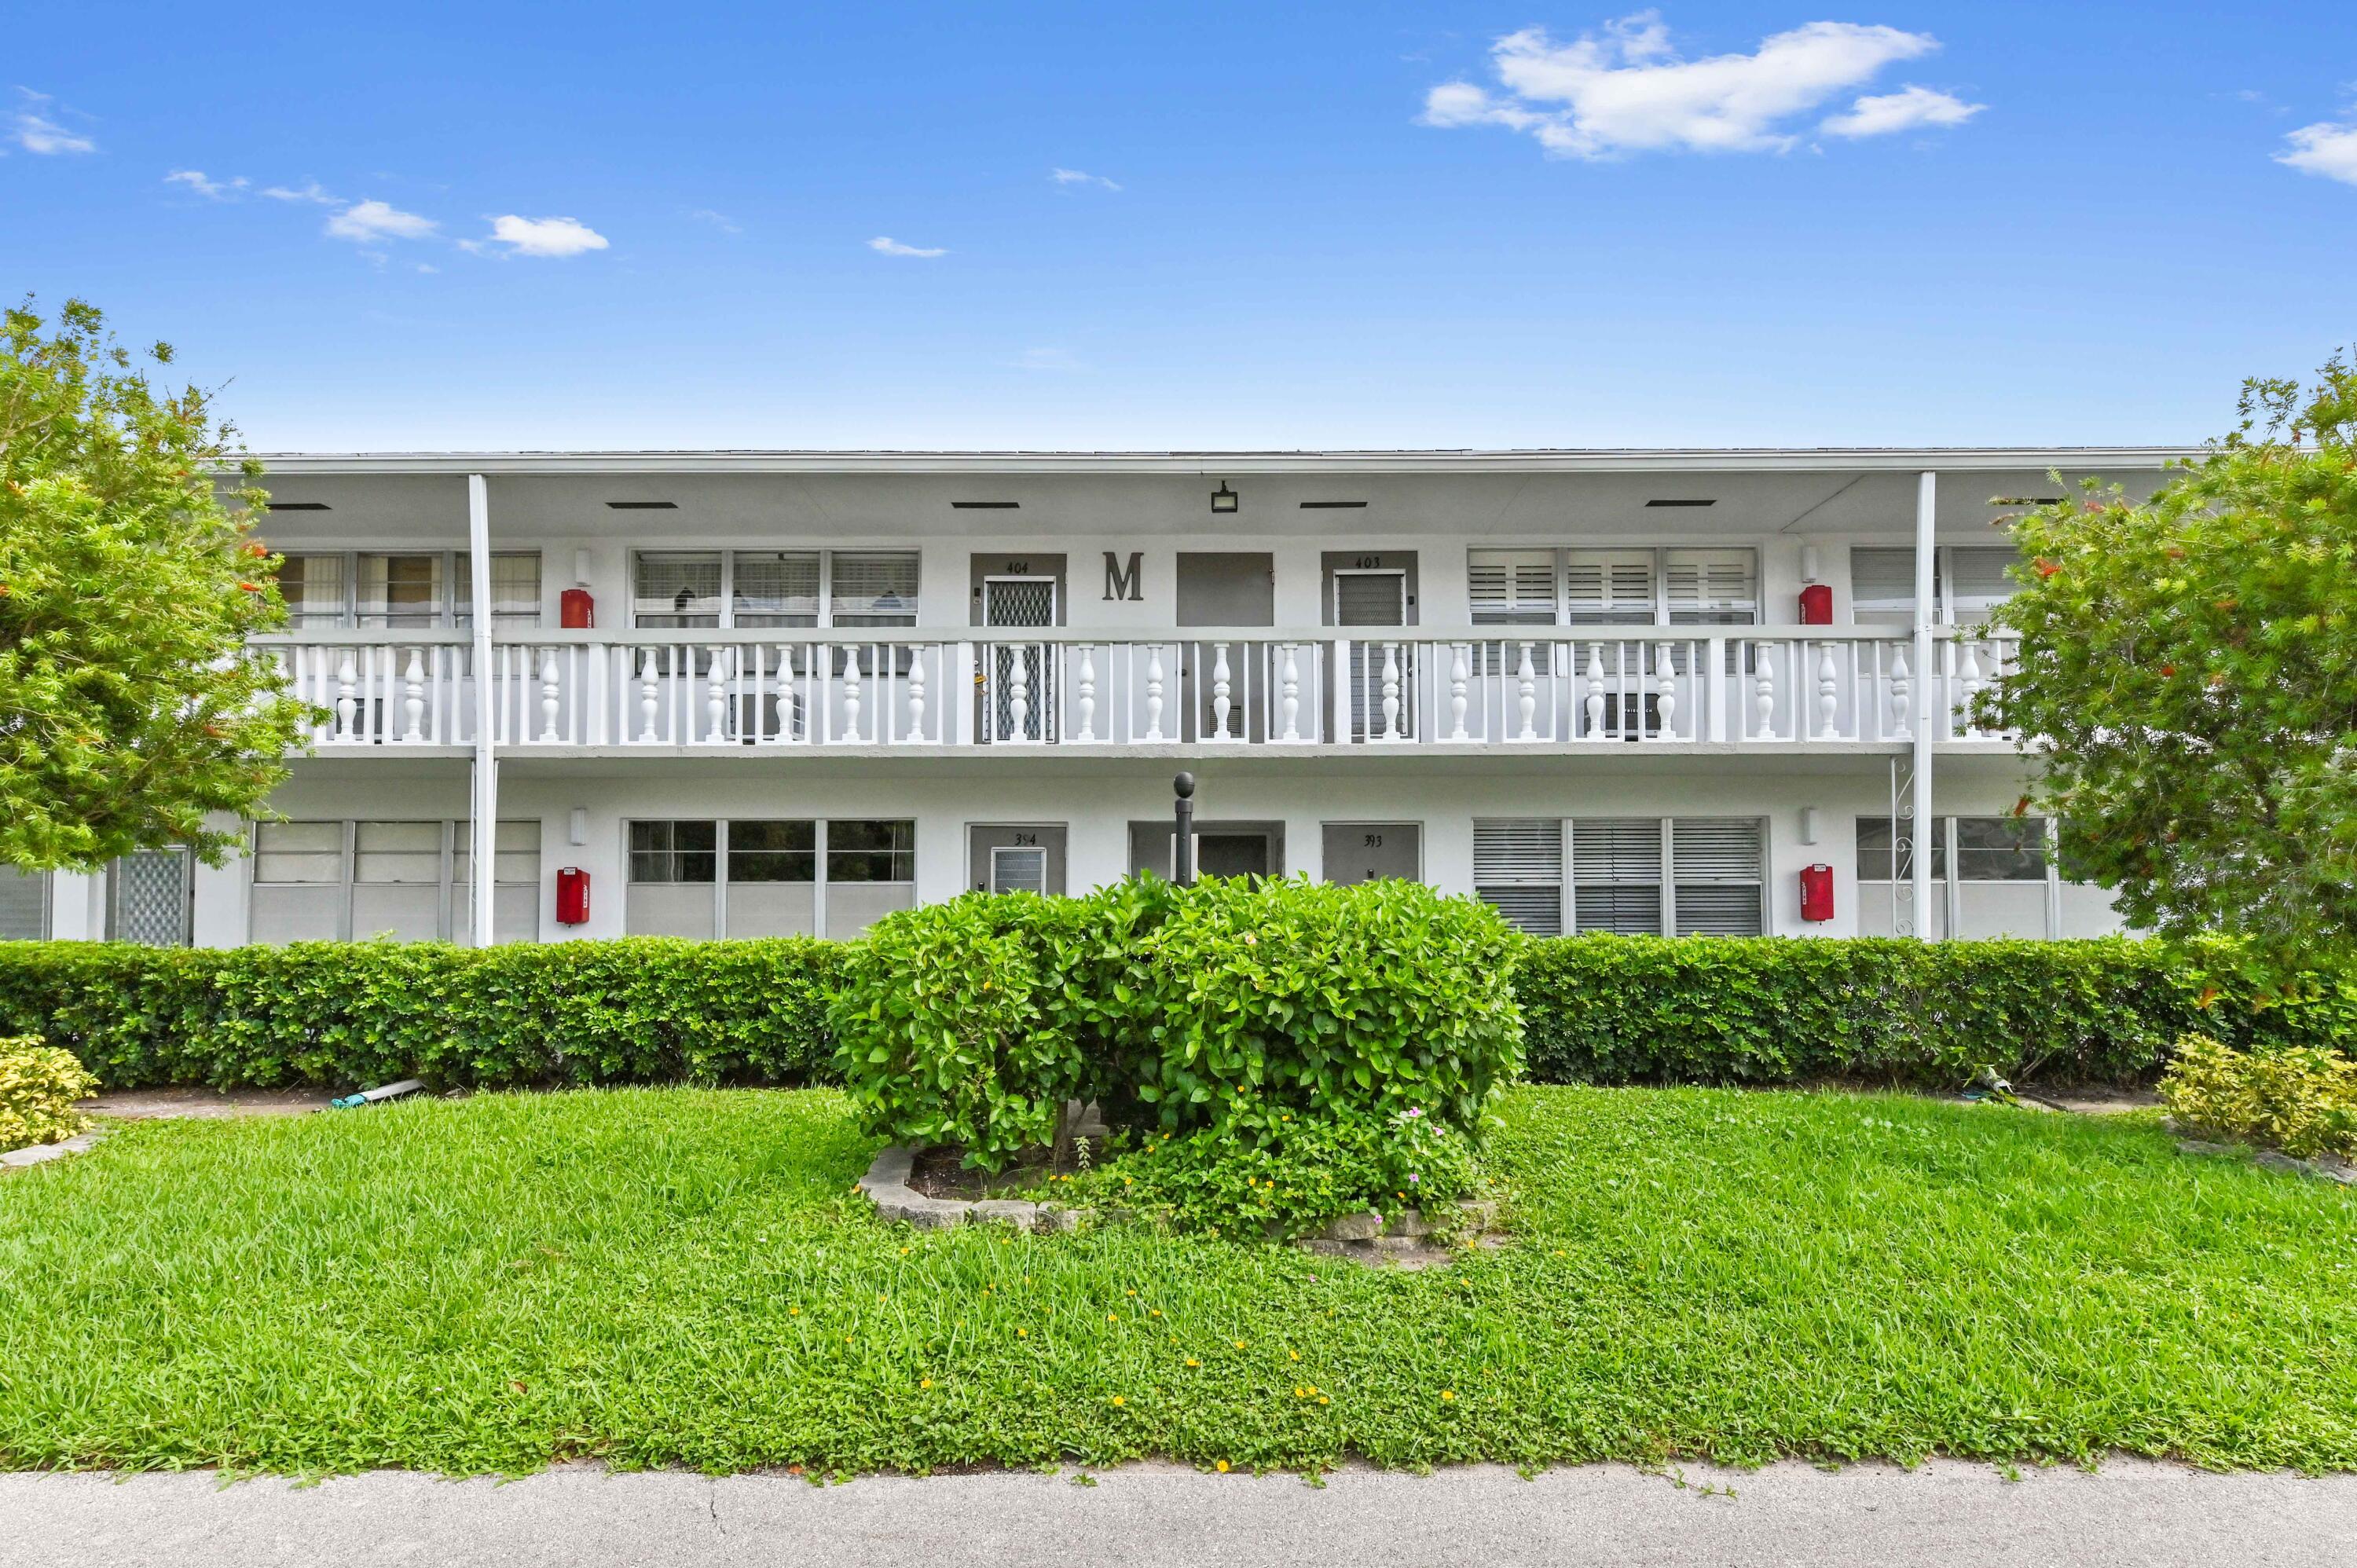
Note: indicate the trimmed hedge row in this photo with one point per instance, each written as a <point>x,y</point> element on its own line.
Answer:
<point>1885,1010</point>
<point>643,1009</point>
<point>1596,1010</point>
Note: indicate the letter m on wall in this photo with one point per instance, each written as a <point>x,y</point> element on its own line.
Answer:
<point>1125,581</point>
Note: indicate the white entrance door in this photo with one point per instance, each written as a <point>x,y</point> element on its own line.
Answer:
<point>1020,701</point>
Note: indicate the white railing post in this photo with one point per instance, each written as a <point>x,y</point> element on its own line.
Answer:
<point>1900,693</point>
<point>1289,693</point>
<point>1666,679</point>
<point>549,700</point>
<point>1219,689</point>
<point>1715,689</point>
<point>916,695</point>
<point>1458,659</point>
<point>650,699</point>
<point>413,697</point>
<point>1391,691</point>
<point>716,698</point>
<point>1018,694</point>
<point>850,736</point>
<point>1085,702</point>
<point>1595,703</point>
<point>1154,693</point>
<point>1967,721</point>
<point>1763,690</point>
<point>1827,704</point>
<point>347,704</point>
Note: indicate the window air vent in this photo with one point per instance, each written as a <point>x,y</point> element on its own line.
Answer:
<point>296,506</point>
<point>1331,506</point>
<point>642,506</point>
<point>1673,501</point>
<point>985,506</point>
<point>2026,500</point>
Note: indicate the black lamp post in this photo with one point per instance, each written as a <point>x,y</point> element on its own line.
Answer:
<point>1182,863</point>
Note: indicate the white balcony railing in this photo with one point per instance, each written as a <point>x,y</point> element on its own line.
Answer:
<point>1484,686</point>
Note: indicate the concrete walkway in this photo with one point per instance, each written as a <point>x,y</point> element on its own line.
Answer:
<point>1150,1515</point>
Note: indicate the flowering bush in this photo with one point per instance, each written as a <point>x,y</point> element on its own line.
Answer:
<point>1282,1173</point>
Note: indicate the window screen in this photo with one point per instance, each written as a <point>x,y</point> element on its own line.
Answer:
<point>1877,853</point>
<point>1518,871</point>
<point>873,587</point>
<point>677,591</point>
<point>776,588</point>
<point>515,589</point>
<point>397,852</point>
<point>1882,585</point>
<point>871,851</point>
<point>673,851</point>
<point>313,587</point>
<point>298,852</point>
<point>515,852</point>
<point>2001,849</point>
<point>772,851</point>
<point>400,592</point>
<point>1616,868</point>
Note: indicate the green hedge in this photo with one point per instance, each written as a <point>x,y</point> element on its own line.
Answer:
<point>1596,1010</point>
<point>1782,1010</point>
<point>645,1009</point>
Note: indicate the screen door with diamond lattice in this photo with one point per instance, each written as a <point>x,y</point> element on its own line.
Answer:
<point>150,900</point>
<point>1020,602</point>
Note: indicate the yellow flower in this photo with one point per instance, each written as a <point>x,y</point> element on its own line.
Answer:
<point>1154,1310</point>
<point>1113,1317</point>
<point>1300,1392</point>
<point>1240,1344</point>
<point>925,1382</point>
<point>1023,1334</point>
<point>1129,1293</point>
<point>1295,1354</point>
<point>904,1251</point>
<point>1118,1400</point>
<point>1448,1395</point>
<point>1323,1400</point>
<point>1221,1467</point>
<point>793,1312</point>
<point>1192,1362</point>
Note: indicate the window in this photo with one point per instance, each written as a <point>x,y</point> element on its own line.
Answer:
<point>1987,848</point>
<point>24,905</point>
<point>1711,587</point>
<point>752,588</point>
<point>1968,581</point>
<point>515,591</point>
<point>673,851</point>
<point>1511,588</point>
<point>772,851</point>
<point>1017,868</point>
<point>416,590</point>
<point>1635,876</point>
<point>871,851</point>
<point>408,880</point>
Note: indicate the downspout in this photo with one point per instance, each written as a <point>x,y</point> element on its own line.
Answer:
<point>1928,711</point>
<point>486,809</point>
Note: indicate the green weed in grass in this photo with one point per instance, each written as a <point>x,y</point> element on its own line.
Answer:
<point>683,1277</point>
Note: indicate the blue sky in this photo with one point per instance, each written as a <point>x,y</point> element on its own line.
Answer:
<point>1728,224</point>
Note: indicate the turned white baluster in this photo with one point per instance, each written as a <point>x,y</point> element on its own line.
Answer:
<point>1154,692</point>
<point>1220,684</point>
<point>649,684</point>
<point>851,698</point>
<point>413,697</point>
<point>1595,703</point>
<point>1018,694</point>
<point>1763,688</point>
<point>1087,705</point>
<point>549,705</point>
<point>1901,694</point>
<point>715,697</point>
<point>347,698</point>
<point>1967,720</point>
<point>1458,676</point>
<point>1826,729</point>
<point>1665,676</point>
<point>1526,697</point>
<point>1391,691</point>
<point>916,734</point>
<point>1289,695</point>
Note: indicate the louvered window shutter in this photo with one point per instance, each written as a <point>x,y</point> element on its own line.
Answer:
<point>1616,869</point>
<point>1370,598</point>
<point>677,590</point>
<point>1717,862</point>
<point>776,588</point>
<point>1712,587</point>
<point>874,587</point>
<point>1511,587</point>
<point>1609,587</point>
<point>1518,870</point>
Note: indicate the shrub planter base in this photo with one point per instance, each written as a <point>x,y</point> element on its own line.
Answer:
<point>1405,1242</point>
<point>886,1185</point>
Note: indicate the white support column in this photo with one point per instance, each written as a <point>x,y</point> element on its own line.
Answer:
<point>1926,702</point>
<point>487,772</point>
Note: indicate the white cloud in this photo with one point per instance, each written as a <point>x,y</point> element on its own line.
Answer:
<point>211,190</point>
<point>309,192</point>
<point>2324,148</point>
<point>1076,176</point>
<point>884,245</point>
<point>36,132</point>
<point>1883,113</point>
<point>368,221</point>
<point>719,220</point>
<point>544,236</point>
<point>1627,90</point>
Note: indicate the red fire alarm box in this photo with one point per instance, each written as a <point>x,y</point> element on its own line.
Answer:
<point>1816,605</point>
<point>576,611</point>
<point>572,897</point>
<point>1816,892</point>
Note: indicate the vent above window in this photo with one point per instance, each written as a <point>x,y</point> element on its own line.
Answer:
<point>1680,500</point>
<point>642,506</point>
<point>1331,506</point>
<point>985,506</point>
<point>296,506</point>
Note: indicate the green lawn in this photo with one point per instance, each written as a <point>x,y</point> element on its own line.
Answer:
<point>683,1277</point>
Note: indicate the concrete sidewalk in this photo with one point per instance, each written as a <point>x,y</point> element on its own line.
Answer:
<point>1149,1516</point>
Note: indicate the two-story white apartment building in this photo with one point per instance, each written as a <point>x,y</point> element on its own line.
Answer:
<point>742,693</point>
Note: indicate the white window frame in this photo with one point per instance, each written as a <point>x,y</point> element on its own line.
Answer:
<point>820,880</point>
<point>452,916</point>
<point>1568,887</point>
<point>825,553</point>
<point>1660,570</point>
<point>1947,604</point>
<point>454,611</point>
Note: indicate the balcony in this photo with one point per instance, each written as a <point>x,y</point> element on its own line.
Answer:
<point>1250,690</point>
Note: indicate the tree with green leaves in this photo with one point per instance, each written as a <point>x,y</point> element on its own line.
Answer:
<point>2188,679</point>
<point>129,710</point>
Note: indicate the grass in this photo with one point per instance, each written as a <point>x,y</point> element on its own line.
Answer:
<point>679,1277</point>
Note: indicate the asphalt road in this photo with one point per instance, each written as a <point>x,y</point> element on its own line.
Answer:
<point>1871,1516</point>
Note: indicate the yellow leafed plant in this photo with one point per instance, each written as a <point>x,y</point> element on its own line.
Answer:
<point>38,1086</point>
<point>2302,1099</point>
